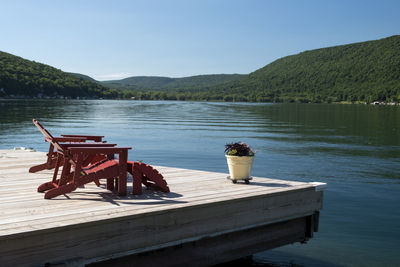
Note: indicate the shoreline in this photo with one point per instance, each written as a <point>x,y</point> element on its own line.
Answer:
<point>375,103</point>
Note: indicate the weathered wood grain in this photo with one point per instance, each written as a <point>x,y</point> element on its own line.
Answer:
<point>92,223</point>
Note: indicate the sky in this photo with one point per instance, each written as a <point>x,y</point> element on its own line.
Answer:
<point>116,39</point>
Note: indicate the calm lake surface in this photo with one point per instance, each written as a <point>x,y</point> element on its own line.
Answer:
<point>353,148</point>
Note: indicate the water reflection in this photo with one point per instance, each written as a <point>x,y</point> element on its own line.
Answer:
<point>354,148</point>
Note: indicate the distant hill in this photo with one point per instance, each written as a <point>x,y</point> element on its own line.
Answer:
<point>198,82</point>
<point>139,82</point>
<point>24,78</point>
<point>21,78</point>
<point>365,71</point>
<point>83,76</point>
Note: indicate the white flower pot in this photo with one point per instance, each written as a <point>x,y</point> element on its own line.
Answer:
<point>239,167</point>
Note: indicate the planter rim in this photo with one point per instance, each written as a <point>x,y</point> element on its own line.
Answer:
<point>237,156</point>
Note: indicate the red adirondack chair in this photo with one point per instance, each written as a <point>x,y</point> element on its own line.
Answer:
<point>72,140</point>
<point>85,162</point>
<point>77,171</point>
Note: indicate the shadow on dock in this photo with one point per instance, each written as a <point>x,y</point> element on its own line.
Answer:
<point>155,197</point>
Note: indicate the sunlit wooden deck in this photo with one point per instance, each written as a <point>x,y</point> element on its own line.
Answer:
<point>205,218</point>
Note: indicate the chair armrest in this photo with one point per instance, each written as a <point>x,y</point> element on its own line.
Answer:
<point>69,145</point>
<point>96,138</point>
<point>97,150</point>
<point>68,139</point>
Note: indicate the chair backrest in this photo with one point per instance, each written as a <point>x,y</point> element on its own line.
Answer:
<point>48,137</point>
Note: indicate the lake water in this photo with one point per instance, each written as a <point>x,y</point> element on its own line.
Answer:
<point>353,148</point>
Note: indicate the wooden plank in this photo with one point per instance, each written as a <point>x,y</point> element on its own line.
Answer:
<point>99,211</point>
<point>61,208</point>
<point>144,231</point>
<point>18,209</point>
<point>215,249</point>
<point>92,222</point>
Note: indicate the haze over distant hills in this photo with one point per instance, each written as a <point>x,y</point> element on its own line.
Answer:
<point>168,84</point>
<point>365,71</point>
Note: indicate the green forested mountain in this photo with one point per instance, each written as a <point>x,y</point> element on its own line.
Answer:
<point>199,82</point>
<point>24,78</point>
<point>366,71</point>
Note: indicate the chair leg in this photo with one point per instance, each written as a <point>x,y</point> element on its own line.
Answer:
<point>122,185</point>
<point>65,174</point>
<point>110,184</point>
<point>122,176</point>
<point>133,169</point>
<point>56,183</point>
<point>49,164</point>
<point>59,191</point>
<point>58,162</point>
<point>46,186</point>
<point>38,168</point>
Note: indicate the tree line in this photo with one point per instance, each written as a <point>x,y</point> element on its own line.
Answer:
<point>21,77</point>
<point>367,71</point>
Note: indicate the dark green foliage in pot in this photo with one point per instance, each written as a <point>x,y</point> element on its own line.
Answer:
<point>238,149</point>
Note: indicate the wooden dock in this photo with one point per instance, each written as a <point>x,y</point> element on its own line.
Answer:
<point>204,220</point>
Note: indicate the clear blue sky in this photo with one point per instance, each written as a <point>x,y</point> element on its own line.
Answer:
<point>116,39</point>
